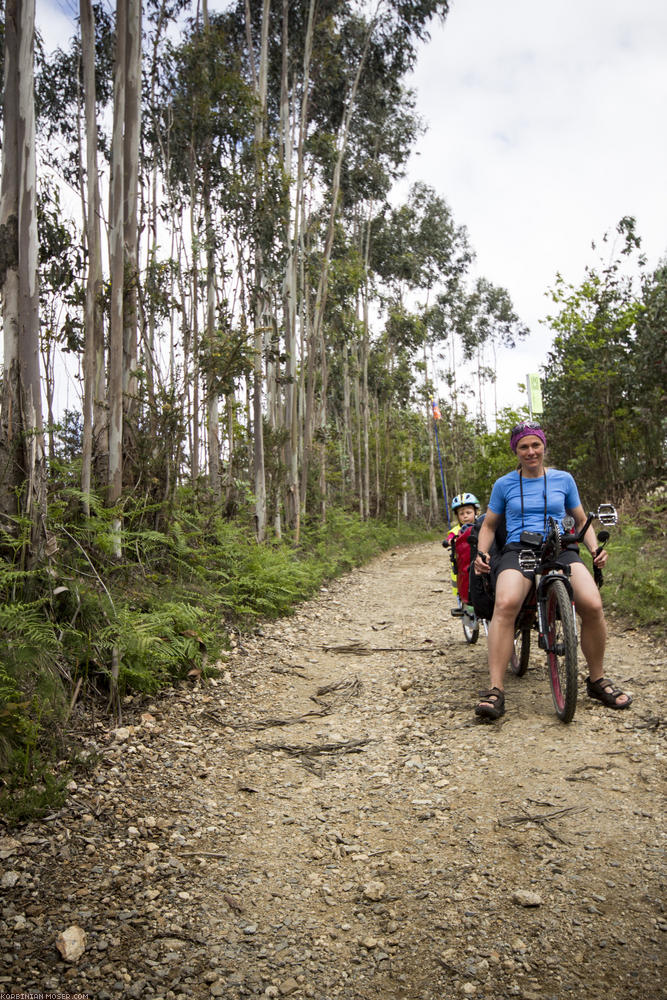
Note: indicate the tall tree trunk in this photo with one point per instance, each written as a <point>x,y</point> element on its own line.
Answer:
<point>358,431</point>
<point>194,236</point>
<point>95,430</point>
<point>365,409</point>
<point>350,472</point>
<point>132,126</point>
<point>22,460</point>
<point>432,487</point>
<point>323,434</point>
<point>324,266</point>
<point>261,82</point>
<point>295,259</point>
<point>117,268</point>
<point>289,290</point>
<point>212,400</point>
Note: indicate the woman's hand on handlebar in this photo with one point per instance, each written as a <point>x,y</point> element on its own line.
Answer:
<point>482,563</point>
<point>600,558</point>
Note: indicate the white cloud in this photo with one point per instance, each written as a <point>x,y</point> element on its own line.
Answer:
<point>545,128</point>
<point>55,22</point>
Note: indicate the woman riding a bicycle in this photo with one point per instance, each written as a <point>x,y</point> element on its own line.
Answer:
<point>528,497</point>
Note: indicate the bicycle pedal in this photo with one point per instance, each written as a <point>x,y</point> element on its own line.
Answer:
<point>457,612</point>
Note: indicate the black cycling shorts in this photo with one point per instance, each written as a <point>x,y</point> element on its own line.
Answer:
<point>509,559</point>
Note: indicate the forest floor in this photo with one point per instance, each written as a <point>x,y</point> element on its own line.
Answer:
<point>328,819</point>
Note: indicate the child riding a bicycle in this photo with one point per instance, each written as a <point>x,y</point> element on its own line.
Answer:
<point>466,507</point>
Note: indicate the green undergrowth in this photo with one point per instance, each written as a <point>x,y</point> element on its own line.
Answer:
<point>634,589</point>
<point>87,625</point>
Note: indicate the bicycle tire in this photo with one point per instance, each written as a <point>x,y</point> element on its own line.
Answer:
<point>521,655</point>
<point>471,632</point>
<point>562,657</point>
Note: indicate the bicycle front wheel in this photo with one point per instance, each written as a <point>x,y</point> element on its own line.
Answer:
<point>561,650</point>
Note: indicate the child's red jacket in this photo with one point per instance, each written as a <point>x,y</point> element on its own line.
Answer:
<point>461,542</point>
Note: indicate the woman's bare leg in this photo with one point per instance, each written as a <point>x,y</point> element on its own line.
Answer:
<point>588,603</point>
<point>511,589</point>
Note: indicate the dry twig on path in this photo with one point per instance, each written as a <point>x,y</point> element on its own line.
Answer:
<point>344,690</point>
<point>579,775</point>
<point>362,649</point>
<point>316,749</point>
<point>289,721</point>
<point>541,820</point>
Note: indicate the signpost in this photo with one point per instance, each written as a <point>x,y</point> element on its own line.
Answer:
<point>534,395</point>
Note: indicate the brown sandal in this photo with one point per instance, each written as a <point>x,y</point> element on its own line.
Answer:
<point>603,690</point>
<point>491,704</point>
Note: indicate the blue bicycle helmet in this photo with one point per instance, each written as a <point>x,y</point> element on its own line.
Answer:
<point>463,499</point>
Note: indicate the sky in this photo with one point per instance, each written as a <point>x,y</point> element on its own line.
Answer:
<point>546,125</point>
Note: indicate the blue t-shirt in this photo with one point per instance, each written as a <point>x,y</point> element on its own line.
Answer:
<point>562,495</point>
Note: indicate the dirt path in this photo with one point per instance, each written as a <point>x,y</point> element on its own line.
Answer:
<point>379,844</point>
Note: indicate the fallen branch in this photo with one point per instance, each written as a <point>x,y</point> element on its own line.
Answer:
<point>361,649</point>
<point>527,817</point>
<point>541,820</point>
<point>358,648</point>
<point>353,685</point>
<point>203,854</point>
<point>578,773</point>
<point>316,749</point>
<point>345,691</point>
<point>650,722</point>
<point>291,721</point>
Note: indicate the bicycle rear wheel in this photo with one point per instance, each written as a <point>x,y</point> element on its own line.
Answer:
<point>521,654</point>
<point>561,650</point>
<point>470,628</point>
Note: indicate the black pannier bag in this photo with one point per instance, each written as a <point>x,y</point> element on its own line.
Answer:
<point>483,586</point>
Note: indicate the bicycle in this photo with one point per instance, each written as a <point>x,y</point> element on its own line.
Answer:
<point>549,606</point>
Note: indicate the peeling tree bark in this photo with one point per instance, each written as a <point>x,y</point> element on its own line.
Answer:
<point>117,262</point>
<point>261,310</point>
<point>132,125</point>
<point>95,430</point>
<point>22,459</point>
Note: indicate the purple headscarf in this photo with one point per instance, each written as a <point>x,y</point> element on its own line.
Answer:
<point>525,429</point>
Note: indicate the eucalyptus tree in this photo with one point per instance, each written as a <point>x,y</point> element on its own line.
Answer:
<point>60,293</point>
<point>383,130</point>
<point>418,251</point>
<point>22,460</point>
<point>485,317</point>
<point>95,428</point>
<point>261,312</point>
<point>130,166</point>
<point>323,58</point>
<point>202,134</point>
<point>72,84</point>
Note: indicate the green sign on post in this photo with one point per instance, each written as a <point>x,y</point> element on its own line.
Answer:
<point>534,394</point>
